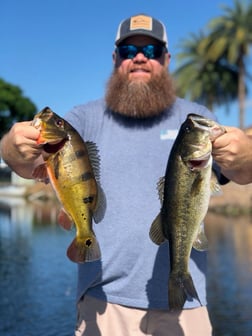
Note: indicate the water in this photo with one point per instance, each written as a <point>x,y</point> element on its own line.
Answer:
<point>38,282</point>
<point>230,275</point>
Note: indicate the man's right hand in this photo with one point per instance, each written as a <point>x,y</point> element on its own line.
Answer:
<point>19,148</point>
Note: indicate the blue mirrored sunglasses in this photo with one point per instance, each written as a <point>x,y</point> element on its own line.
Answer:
<point>150,51</point>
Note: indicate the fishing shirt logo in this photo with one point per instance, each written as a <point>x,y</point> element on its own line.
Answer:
<point>169,134</point>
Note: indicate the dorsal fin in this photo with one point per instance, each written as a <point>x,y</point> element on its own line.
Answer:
<point>94,157</point>
<point>160,188</point>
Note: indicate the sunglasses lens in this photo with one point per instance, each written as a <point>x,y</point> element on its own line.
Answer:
<point>127,51</point>
<point>150,51</point>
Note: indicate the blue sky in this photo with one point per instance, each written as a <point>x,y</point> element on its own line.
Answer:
<point>59,51</point>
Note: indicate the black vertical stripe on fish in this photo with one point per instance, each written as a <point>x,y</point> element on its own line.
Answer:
<point>80,153</point>
<point>86,176</point>
<point>88,199</point>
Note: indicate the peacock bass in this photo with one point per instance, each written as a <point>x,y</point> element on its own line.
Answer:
<point>72,168</point>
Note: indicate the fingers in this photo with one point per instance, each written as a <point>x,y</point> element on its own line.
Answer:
<point>230,139</point>
<point>23,139</point>
<point>24,131</point>
<point>231,149</point>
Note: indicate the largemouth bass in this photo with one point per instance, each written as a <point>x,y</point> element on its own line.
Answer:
<point>72,168</point>
<point>185,192</point>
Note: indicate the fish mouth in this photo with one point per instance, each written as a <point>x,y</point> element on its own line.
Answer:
<point>54,147</point>
<point>199,163</point>
<point>208,125</point>
<point>49,138</point>
<point>200,120</point>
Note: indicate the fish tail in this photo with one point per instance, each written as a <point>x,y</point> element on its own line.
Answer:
<point>181,288</point>
<point>84,250</point>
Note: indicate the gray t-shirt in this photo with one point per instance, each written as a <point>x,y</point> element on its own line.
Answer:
<point>133,271</point>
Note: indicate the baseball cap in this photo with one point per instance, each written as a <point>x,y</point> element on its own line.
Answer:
<point>141,24</point>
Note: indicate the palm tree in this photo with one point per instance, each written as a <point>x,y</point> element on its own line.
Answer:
<point>230,39</point>
<point>208,82</point>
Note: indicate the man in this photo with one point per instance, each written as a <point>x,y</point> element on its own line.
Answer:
<point>134,127</point>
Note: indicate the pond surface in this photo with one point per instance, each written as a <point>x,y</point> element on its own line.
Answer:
<point>38,282</point>
<point>230,275</point>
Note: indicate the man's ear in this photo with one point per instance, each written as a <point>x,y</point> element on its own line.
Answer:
<point>167,59</point>
<point>116,59</point>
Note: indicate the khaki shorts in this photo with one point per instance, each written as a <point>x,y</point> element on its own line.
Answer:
<point>99,318</point>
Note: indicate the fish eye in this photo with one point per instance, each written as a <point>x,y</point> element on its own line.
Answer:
<point>59,123</point>
<point>187,129</point>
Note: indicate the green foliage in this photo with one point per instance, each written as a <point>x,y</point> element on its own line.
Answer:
<point>208,82</point>
<point>13,106</point>
<point>231,34</point>
<point>214,65</point>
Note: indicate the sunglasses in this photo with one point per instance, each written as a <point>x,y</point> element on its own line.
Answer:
<point>150,51</point>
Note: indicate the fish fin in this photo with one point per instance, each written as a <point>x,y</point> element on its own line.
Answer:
<point>94,157</point>
<point>100,208</point>
<point>40,174</point>
<point>156,232</point>
<point>65,220</point>
<point>180,289</point>
<point>201,242</point>
<point>84,250</point>
<point>214,185</point>
<point>160,188</point>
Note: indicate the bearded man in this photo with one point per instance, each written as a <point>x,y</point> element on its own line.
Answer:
<point>134,127</point>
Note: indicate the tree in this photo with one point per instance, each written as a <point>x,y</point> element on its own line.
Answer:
<point>208,82</point>
<point>230,39</point>
<point>13,106</point>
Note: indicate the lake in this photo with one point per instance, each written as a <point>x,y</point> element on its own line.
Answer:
<point>230,274</point>
<point>38,282</point>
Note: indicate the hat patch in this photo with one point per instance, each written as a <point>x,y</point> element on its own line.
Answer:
<point>141,22</point>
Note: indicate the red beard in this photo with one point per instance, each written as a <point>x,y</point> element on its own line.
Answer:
<point>140,99</point>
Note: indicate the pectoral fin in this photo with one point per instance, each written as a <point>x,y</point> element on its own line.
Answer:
<point>214,185</point>
<point>40,173</point>
<point>201,242</point>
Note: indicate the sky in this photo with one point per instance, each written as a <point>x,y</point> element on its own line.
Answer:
<point>59,52</point>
